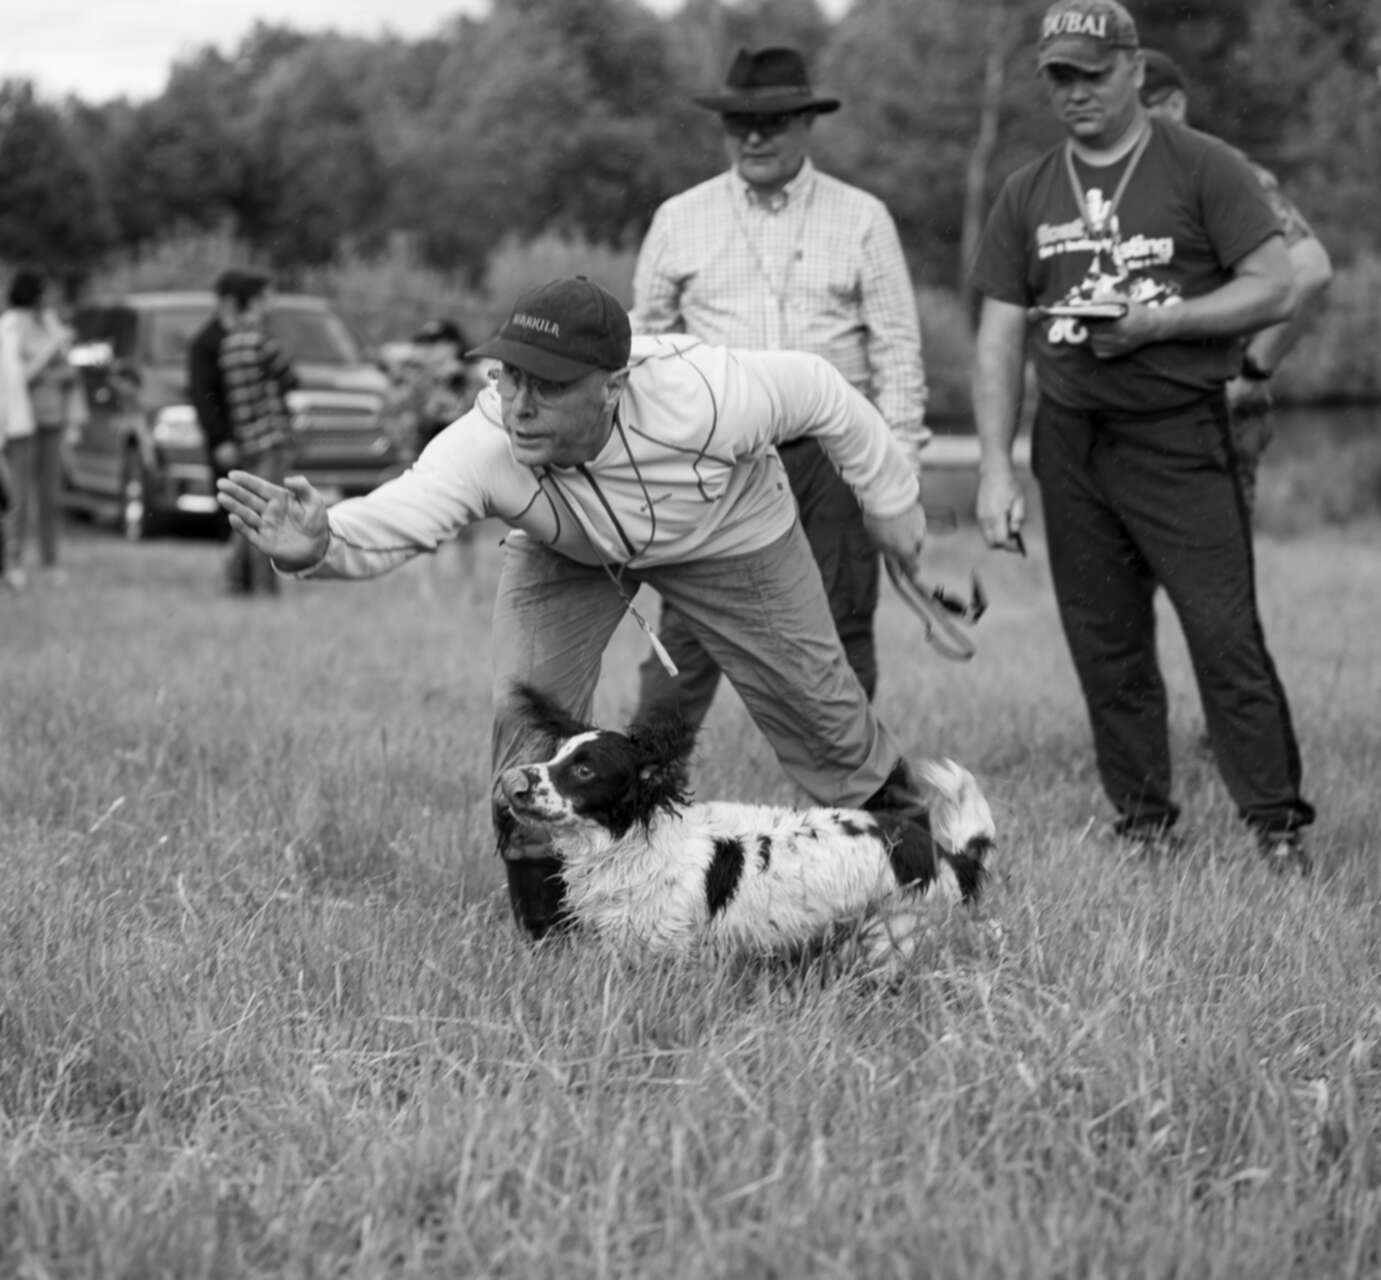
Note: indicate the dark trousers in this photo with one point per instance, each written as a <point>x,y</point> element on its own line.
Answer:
<point>1132,504</point>
<point>849,568</point>
<point>35,467</point>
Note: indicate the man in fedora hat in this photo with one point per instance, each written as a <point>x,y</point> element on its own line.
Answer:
<point>617,462</point>
<point>775,254</point>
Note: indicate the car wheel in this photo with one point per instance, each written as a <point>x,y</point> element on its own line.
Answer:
<point>138,520</point>
<point>74,505</point>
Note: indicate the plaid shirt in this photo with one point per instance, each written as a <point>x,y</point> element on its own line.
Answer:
<point>257,378</point>
<point>819,268</point>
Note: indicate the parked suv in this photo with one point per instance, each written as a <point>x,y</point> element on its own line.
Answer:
<point>141,455</point>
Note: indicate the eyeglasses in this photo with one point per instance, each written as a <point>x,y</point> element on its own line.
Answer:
<point>509,379</point>
<point>741,126</point>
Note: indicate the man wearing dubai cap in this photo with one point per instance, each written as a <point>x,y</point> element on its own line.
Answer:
<point>1131,445</point>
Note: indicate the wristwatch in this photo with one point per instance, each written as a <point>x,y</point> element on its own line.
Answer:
<point>1252,371</point>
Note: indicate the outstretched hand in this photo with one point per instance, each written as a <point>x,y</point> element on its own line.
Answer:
<point>286,522</point>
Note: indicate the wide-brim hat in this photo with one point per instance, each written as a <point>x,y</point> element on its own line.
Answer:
<point>767,82</point>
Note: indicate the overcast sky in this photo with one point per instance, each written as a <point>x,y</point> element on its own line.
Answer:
<point>100,49</point>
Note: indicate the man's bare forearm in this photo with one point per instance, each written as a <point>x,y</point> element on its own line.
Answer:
<point>1261,293</point>
<point>998,372</point>
<point>1313,274</point>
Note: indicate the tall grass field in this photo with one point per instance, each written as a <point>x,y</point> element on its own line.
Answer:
<point>264,1012</point>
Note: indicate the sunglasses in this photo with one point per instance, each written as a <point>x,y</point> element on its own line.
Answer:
<point>742,126</point>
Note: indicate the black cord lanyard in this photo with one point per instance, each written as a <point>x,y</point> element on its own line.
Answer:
<point>617,577</point>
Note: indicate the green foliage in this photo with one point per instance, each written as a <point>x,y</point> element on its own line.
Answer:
<point>572,119</point>
<point>51,213</point>
<point>1296,86</point>
<point>1337,357</point>
<point>313,174</point>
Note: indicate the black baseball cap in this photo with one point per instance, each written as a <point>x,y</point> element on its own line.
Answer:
<point>562,331</point>
<point>1084,33</point>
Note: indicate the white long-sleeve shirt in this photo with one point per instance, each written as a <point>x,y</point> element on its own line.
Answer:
<point>689,471</point>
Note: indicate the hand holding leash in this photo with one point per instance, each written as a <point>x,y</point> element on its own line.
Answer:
<point>901,537</point>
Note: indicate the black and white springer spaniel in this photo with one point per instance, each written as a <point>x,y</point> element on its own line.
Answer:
<point>649,871</point>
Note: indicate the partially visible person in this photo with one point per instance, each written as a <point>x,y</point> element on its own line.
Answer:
<point>619,463</point>
<point>36,384</point>
<point>1165,95</point>
<point>6,502</point>
<point>440,384</point>
<point>436,385</point>
<point>239,381</point>
<point>1131,446</point>
<point>774,254</point>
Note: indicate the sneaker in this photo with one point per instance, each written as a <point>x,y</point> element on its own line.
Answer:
<point>1284,853</point>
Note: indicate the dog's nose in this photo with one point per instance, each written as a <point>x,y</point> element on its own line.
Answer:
<point>515,783</point>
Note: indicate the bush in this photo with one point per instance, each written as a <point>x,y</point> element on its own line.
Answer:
<point>1338,483</point>
<point>1336,358</point>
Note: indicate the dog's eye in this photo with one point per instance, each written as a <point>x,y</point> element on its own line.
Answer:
<point>582,772</point>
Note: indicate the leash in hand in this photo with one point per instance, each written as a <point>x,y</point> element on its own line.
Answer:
<point>938,610</point>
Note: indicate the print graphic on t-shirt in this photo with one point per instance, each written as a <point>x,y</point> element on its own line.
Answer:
<point>1118,268</point>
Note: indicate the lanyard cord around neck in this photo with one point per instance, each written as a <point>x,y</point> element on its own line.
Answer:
<point>617,577</point>
<point>1102,224</point>
<point>735,202</point>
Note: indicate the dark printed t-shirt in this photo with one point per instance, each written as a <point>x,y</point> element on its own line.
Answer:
<point>1191,209</point>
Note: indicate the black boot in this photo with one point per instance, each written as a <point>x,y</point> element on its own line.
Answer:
<point>899,794</point>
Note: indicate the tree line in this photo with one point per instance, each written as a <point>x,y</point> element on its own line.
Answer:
<point>573,117</point>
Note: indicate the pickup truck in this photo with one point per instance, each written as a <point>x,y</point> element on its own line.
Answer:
<point>140,456</point>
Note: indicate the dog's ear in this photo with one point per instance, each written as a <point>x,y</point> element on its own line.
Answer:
<point>663,753</point>
<point>545,714</point>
